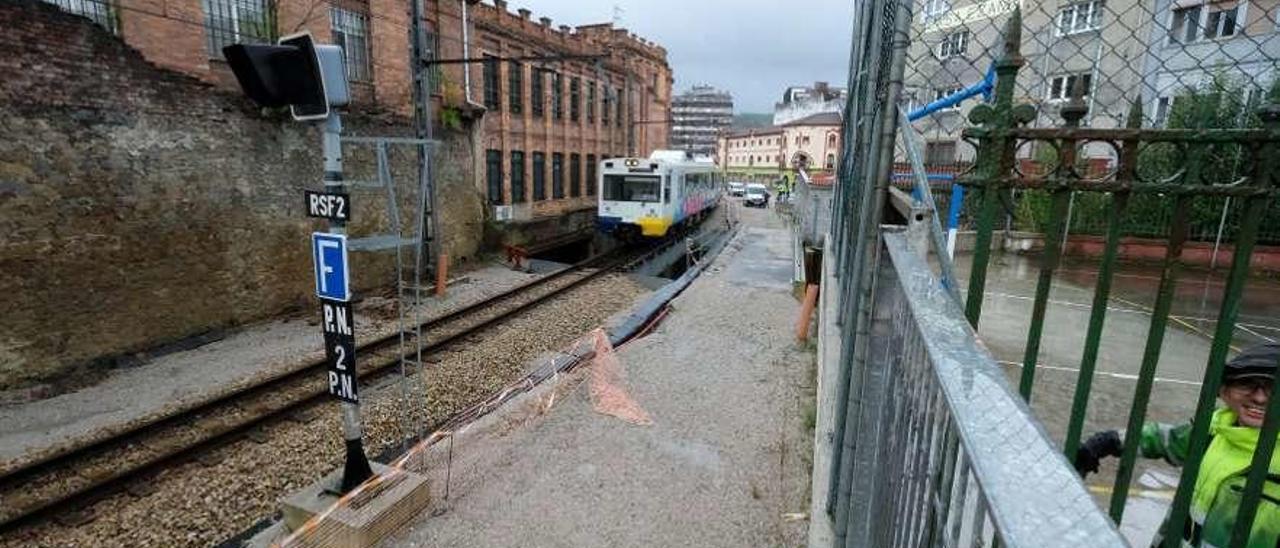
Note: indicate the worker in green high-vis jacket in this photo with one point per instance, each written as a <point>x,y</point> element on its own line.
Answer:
<point>1248,382</point>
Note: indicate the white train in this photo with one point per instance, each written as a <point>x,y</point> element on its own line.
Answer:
<point>647,197</point>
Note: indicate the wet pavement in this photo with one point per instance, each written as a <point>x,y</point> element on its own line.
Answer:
<point>1006,314</point>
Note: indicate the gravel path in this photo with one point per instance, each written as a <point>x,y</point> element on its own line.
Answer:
<point>725,462</point>
<point>179,380</point>
<point>199,504</point>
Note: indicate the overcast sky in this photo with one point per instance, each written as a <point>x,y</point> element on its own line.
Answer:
<point>752,48</point>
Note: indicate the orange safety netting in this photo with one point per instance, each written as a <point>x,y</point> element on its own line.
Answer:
<point>608,395</point>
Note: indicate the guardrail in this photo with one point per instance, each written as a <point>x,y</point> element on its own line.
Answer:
<point>944,452</point>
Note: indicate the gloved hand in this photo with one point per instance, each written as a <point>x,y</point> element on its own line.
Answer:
<point>1099,445</point>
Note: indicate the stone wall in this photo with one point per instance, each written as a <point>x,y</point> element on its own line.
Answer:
<point>139,206</point>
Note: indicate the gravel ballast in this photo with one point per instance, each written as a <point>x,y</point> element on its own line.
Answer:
<point>200,504</point>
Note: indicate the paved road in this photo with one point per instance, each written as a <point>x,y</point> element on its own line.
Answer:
<point>724,462</point>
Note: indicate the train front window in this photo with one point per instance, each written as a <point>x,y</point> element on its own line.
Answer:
<point>631,188</point>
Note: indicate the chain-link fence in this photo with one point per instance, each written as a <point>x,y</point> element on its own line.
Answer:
<point>1189,63</point>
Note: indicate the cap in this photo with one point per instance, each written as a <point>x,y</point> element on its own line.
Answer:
<point>1255,361</point>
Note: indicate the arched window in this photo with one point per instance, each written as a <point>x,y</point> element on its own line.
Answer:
<point>831,161</point>
<point>831,140</point>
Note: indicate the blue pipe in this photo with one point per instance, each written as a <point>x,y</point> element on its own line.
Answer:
<point>986,87</point>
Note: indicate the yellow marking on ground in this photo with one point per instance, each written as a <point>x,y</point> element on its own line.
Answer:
<point>1176,319</point>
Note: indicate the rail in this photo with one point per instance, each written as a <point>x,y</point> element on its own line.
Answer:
<point>945,452</point>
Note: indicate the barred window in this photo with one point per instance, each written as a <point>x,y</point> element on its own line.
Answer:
<point>956,43</point>
<point>98,11</point>
<point>237,22</point>
<point>557,95</point>
<point>536,94</point>
<point>517,176</point>
<point>591,102</point>
<point>1082,17</point>
<point>515,86</point>
<point>351,31</point>
<point>539,176</point>
<point>604,105</point>
<point>492,99</point>
<point>493,174</point>
<point>557,175</point>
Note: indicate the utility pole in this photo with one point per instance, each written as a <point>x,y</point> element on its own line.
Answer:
<point>422,51</point>
<point>356,469</point>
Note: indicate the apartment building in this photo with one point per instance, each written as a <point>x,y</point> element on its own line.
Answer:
<point>1100,43</point>
<point>698,117</point>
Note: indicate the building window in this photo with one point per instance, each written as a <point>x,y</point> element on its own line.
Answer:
<point>956,43</point>
<point>940,153</point>
<point>575,95</point>
<point>591,175</point>
<point>517,176</point>
<point>539,176</point>
<point>942,93</point>
<point>1060,86</point>
<point>98,11</point>
<point>557,175</point>
<point>351,31</point>
<point>493,174</point>
<point>575,175</point>
<point>618,119</point>
<point>831,141</point>
<point>1222,23</point>
<point>229,22</point>
<point>491,93</point>
<point>1082,17</point>
<point>536,97</point>
<point>831,161</point>
<point>604,105</point>
<point>591,102</point>
<point>1163,105</point>
<point>806,139</point>
<point>1185,27</point>
<point>557,95</point>
<point>934,8</point>
<point>515,86</point>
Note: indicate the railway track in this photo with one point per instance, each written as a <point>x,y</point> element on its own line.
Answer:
<point>69,481</point>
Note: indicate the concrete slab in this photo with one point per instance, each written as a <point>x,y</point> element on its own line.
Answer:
<point>365,517</point>
<point>724,462</point>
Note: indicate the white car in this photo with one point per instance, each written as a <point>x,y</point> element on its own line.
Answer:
<point>737,189</point>
<point>757,195</point>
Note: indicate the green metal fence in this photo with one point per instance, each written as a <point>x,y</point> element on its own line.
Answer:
<point>1000,130</point>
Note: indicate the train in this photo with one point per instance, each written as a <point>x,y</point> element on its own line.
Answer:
<point>646,198</point>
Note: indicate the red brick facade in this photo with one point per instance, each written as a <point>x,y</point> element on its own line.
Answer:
<point>173,34</point>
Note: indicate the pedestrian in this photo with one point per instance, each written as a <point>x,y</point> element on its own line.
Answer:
<point>1248,381</point>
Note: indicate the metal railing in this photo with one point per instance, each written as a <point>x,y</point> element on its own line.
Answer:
<point>945,452</point>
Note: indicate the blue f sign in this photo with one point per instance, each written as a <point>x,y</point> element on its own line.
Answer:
<point>329,252</point>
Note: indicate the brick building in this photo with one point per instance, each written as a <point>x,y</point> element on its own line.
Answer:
<point>548,123</point>
<point>549,120</point>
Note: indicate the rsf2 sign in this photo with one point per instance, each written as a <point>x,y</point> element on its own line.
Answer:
<point>335,207</point>
<point>329,252</point>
